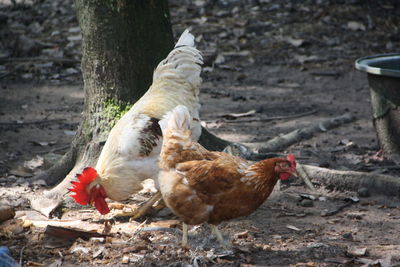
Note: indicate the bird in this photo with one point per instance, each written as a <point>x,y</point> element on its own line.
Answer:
<point>202,186</point>
<point>133,146</point>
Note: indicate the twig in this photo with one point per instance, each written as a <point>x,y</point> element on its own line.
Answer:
<point>336,210</point>
<point>30,122</point>
<point>39,59</point>
<point>281,142</point>
<point>275,118</point>
<point>20,255</point>
<point>54,149</point>
<point>137,230</point>
<point>159,228</point>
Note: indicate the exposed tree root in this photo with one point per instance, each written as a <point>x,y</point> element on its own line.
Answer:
<point>352,181</point>
<point>212,142</point>
<point>78,157</point>
<point>280,143</point>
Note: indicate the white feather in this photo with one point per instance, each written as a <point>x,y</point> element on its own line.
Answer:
<point>186,39</point>
<point>176,120</point>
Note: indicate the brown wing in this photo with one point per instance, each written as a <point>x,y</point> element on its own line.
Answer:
<point>149,136</point>
<point>216,176</point>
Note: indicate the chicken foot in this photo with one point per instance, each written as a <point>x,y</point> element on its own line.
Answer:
<point>214,230</point>
<point>143,209</point>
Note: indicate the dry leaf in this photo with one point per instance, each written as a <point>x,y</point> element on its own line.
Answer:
<point>292,227</point>
<point>166,223</point>
<point>294,42</point>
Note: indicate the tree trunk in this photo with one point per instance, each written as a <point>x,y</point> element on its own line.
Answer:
<point>123,41</point>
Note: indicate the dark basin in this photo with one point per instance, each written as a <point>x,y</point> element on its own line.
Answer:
<point>384,82</point>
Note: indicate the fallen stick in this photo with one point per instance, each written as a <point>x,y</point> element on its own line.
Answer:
<point>352,180</point>
<point>280,143</point>
<point>294,116</point>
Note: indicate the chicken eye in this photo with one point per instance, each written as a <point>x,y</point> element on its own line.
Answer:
<point>284,165</point>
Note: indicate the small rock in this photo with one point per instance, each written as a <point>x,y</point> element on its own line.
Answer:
<point>357,252</point>
<point>307,203</point>
<point>363,192</point>
<point>348,236</point>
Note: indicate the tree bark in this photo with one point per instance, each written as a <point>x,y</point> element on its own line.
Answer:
<point>122,43</point>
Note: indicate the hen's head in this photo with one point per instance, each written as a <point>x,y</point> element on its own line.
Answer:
<point>86,192</point>
<point>286,167</point>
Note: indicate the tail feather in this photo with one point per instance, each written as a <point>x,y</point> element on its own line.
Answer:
<point>186,39</point>
<point>176,120</point>
<point>183,62</point>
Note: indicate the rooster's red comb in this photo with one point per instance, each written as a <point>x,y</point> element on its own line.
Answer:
<point>292,160</point>
<point>79,187</point>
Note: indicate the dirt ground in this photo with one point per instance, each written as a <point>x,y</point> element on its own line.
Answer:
<point>279,58</point>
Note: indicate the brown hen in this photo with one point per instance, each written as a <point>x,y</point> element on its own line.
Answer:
<point>204,186</point>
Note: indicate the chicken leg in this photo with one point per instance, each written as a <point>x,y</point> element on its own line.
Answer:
<point>184,235</point>
<point>218,234</point>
